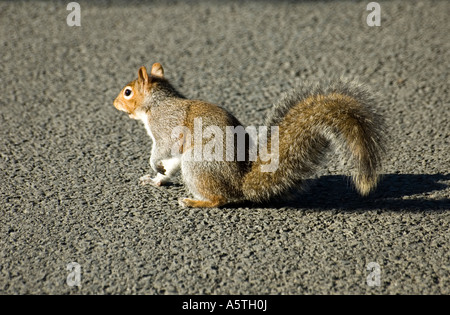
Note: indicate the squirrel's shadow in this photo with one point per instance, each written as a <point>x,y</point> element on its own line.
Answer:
<point>394,192</point>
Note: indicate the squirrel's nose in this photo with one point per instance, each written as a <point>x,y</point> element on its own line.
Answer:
<point>116,104</point>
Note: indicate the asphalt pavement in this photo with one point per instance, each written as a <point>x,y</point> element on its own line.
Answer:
<point>70,162</point>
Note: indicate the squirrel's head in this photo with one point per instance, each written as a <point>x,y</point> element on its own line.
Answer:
<point>132,96</point>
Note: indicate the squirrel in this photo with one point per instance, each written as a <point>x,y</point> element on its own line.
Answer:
<point>310,121</point>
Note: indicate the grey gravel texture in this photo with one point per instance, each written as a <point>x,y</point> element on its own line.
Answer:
<point>70,162</point>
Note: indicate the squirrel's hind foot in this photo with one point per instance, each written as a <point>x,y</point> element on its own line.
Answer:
<point>192,203</point>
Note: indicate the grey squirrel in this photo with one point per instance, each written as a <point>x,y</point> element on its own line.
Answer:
<point>309,119</point>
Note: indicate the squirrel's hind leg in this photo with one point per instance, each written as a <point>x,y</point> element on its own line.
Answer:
<point>216,201</point>
<point>208,190</point>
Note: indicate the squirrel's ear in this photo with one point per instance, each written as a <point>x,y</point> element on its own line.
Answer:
<point>142,75</point>
<point>157,70</point>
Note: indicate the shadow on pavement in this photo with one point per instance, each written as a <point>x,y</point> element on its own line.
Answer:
<point>394,192</point>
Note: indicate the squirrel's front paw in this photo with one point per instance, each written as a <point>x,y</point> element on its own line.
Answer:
<point>147,179</point>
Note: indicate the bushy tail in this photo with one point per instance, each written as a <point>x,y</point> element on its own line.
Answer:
<point>311,120</point>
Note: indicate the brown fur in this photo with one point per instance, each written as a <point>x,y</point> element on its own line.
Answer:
<point>129,106</point>
<point>210,187</point>
<point>212,180</point>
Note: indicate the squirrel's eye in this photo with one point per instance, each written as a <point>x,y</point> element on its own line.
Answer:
<point>128,93</point>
